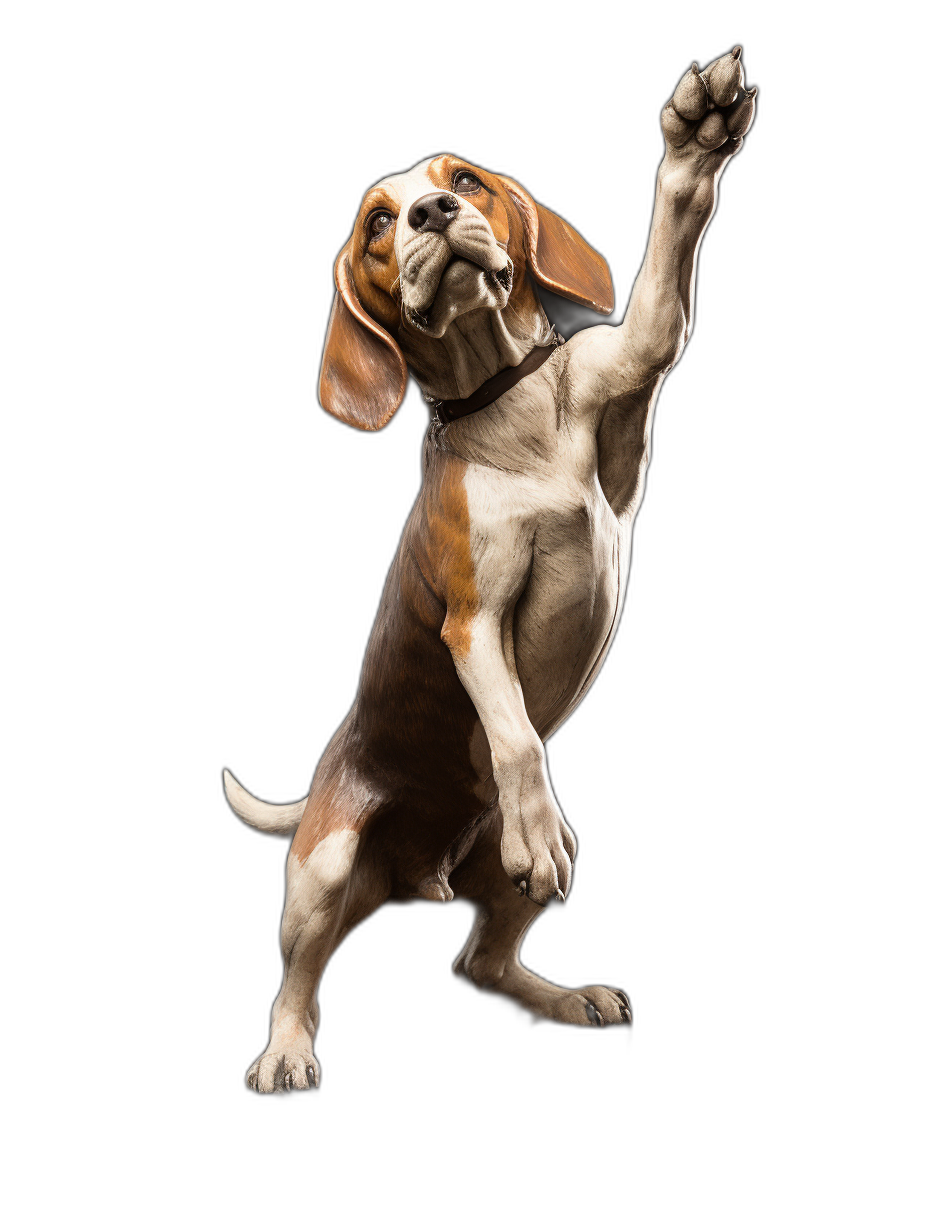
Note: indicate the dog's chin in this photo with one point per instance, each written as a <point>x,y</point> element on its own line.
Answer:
<point>463,288</point>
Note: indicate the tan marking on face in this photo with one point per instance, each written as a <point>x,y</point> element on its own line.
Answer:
<point>372,256</point>
<point>491,200</point>
<point>376,254</point>
<point>503,216</point>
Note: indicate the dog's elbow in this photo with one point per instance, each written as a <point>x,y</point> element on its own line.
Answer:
<point>661,357</point>
<point>659,340</point>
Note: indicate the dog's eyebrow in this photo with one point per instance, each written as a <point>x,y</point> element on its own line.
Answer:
<point>457,165</point>
<point>380,194</point>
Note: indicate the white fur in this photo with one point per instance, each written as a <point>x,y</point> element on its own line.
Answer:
<point>312,926</point>
<point>271,818</point>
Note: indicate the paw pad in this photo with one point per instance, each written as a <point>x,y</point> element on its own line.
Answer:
<point>711,106</point>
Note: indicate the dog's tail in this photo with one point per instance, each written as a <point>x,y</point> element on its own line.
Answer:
<point>271,818</point>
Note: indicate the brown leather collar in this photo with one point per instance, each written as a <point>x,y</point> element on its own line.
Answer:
<point>456,408</point>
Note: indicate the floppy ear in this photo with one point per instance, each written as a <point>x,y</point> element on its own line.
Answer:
<point>561,259</point>
<point>363,375</point>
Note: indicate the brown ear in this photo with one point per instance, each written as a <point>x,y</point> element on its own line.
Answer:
<point>561,259</point>
<point>363,375</point>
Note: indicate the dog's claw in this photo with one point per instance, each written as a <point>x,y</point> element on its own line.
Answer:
<point>522,887</point>
<point>736,52</point>
<point>593,1014</point>
<point>560,895</point>
<point>278,1071</point>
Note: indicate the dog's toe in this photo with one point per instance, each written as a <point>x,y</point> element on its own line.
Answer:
<point>607,1007</point>
<point>283,1071</point>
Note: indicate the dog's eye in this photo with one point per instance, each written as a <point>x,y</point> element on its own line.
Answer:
<point>465,182</point>
<point>379,224</point>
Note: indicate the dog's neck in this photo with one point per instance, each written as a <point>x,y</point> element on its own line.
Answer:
<point>474,348</point>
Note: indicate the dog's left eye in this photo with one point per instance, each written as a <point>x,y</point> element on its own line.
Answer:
<point>464,182</point>
<point>379,224</point>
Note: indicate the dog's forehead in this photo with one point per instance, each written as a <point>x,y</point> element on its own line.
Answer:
<point>423,178</point>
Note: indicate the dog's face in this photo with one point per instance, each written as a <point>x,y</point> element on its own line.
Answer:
<point>432,245</point>
<point>429,246</point>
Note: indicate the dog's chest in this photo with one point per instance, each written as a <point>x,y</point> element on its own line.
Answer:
<point>567,614</point>
<point>537,490</point>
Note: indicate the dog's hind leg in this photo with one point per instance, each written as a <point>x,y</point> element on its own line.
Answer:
<point>491,956</point>
<point>329,890</point>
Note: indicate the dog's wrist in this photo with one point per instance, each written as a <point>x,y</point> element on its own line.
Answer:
<point>687,185</point>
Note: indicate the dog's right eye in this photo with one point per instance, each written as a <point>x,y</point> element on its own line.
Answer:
<point>466,182</point>
<point>379,224</point>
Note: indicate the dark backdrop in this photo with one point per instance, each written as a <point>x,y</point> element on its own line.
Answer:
<point>276,527</point>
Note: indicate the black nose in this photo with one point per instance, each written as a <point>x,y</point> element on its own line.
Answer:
<point>433,213</point>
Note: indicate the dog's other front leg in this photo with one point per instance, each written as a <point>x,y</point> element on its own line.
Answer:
<point>325,897</point>
<point>537,847</point>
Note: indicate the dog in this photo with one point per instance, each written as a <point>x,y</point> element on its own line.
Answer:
<point>505,592</point>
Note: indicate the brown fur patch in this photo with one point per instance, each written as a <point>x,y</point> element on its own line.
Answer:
<point>399,769</point>
<point>345,795</point>
<point>449,547</point>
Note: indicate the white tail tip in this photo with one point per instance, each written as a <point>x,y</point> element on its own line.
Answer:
<point>271,818</point>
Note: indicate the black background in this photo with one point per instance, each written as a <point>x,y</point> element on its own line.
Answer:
<point>276,527</point>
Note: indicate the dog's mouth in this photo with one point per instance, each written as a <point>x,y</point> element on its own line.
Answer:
<point>419,319</point>
<point>498,282</point>
<point>501,277</point>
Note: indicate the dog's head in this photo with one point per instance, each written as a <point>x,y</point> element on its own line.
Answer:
<point>429,246</point>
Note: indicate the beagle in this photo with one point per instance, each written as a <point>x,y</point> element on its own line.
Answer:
<point>505,592</point>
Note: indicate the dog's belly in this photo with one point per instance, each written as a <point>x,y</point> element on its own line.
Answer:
<point>565,620</point>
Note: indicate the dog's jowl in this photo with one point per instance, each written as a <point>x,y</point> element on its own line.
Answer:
<point>506,589</point>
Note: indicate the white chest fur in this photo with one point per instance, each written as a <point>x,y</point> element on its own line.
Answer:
<point>551,520</point>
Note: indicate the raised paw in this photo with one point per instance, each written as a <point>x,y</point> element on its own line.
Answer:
<point>292,1070</point>
<point>710,111</point>
<point>538,852</point>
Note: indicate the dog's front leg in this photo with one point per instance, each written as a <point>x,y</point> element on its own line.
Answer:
<point>537,846</point>
<point>704,125</point>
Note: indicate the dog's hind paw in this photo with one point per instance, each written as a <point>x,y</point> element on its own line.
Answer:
<point>586,1007</point>
<point>607,1006</point>
<point>292,1070</point>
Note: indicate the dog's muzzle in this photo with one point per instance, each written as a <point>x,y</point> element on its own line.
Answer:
<point>499,283</point>
<point>433,212</point>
